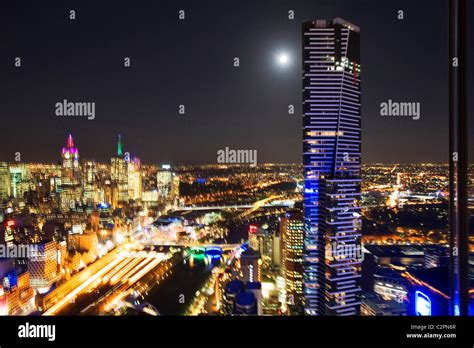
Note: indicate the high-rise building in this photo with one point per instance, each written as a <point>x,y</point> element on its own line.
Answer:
<point>276,250</point>
<point>16,294</point>
<point>175,189</point>
<point>253,241</point>
<point>20,176</point>
<point>374,305</point>
<point>149,185</point>
<point>164,182</point>
<point>90,184</point>
<point>332,160</point>
<point>70,176</point>
<point>119,173</point>
<point>5,179</point>
<point>251,262</point>
<point>43,265</point>
<point>134,179</point>
<point>292,236</point>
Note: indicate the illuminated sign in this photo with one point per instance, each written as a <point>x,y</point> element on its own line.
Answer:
<point>103,205</point>
<point>252,229</point>
<point>422,304</point>
<point>76,229</point>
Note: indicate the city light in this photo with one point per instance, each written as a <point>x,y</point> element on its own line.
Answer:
<point>423,304</point>
<point>340,230</point>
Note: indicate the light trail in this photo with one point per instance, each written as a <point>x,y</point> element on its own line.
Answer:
<point>116,269</point>
<point>135,269</point>
<point>69,297</point>
<point>124,270</point>
<point>145,270</point>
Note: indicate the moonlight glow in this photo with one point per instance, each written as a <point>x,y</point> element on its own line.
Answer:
<point>283,59</point>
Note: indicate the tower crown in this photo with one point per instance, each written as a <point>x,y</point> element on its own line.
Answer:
<point>70,141</point>
<point>119,145</point>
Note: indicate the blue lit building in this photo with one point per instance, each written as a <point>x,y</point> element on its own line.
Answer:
<point>332,160</point>
<point>245,304</point>
<point>242,298</point>
<point>428,291</point>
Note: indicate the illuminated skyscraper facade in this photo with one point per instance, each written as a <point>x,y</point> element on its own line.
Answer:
<point>5,180</point>
<point>119,173</point>
<point>164,181</point>
<point>20,179</point>
<point>90,184</point>
<point>332,160</point>
<point>71,191</point>
<point>292,236</point>
<point>134,179</point>
<point>251,263</point>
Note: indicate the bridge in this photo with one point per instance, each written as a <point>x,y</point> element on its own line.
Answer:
<point>143,307</point>
<point>202,246</point>
<point>259,204</point>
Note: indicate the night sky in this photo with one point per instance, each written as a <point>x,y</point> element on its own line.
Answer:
<point>190,62</point>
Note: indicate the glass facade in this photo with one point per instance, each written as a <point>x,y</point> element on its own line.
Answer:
<point>332,161</point>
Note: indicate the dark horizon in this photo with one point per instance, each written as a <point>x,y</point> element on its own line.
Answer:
<point>189,62</point>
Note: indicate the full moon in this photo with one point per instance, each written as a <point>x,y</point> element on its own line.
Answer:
<point>283,59</point>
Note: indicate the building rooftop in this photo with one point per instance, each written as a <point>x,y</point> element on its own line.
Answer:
<point>343,22</point>
<point>250,253</point>
<point>395,250</point>
<point>245,299</point>
<point>437,277</point>
<point>253,286</point>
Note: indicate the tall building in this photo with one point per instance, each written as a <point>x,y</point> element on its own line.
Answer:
<point>292,236</point>
<point>250,263</point>
<point>70,176</point>
<point>175,189</point>
<point>164,182</point>
<point>134,179</point>
<point>149,185</point>
<point>332,160</point>
<point>20,177</point>
<point>43,265</point>
<point>16,294</point>
<point>5,180</point>
<point>90,183</point>
<point>119,173</point>
<point>374,305</point>
<point>253,241</point>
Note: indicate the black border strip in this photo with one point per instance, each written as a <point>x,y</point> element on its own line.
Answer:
<point>458,158</point>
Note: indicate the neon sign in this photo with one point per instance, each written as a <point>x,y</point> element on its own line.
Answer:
<point>422,304</point>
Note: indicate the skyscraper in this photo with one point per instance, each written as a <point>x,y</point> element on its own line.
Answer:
<point>70,176</point>
<point>89,183</point>
<point>20,178</point>
<point>291,233</point>
<point>164,181</point>
<point>134,179</point>
<point>5,180</point>
<point>332,160</point>
<point>250,262</point>
<point>119,173</point>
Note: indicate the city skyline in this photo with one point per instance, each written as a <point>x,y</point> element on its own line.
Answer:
<point>142,102</point>
<point>162,186</point>
<point>89,157</point>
